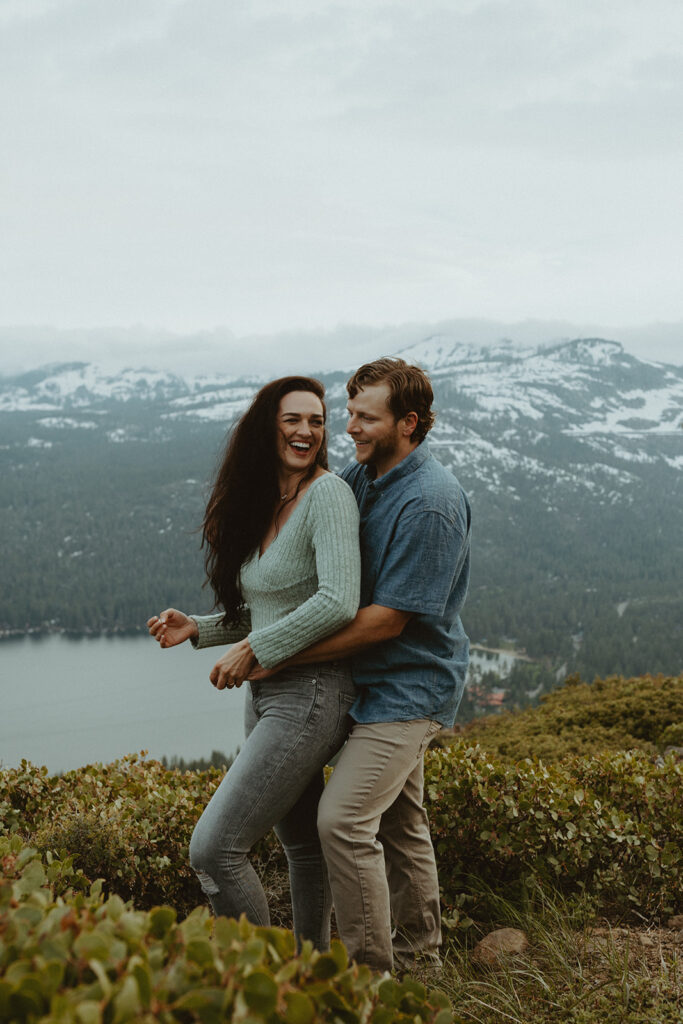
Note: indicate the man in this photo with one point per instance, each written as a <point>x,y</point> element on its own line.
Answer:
<point>409,657</point>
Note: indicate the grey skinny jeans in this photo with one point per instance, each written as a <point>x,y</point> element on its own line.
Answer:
<point>294,724</point>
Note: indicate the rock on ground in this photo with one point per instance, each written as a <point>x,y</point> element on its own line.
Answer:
<point>496,945</point>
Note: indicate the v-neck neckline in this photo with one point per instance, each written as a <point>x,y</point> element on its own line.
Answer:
<point>260,555</point>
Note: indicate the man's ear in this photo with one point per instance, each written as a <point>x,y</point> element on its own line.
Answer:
<point>409,422</point>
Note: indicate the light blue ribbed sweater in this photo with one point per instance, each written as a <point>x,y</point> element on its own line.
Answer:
<point>305,586</point>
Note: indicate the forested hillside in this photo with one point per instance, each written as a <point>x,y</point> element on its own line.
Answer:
<point>572,459</point>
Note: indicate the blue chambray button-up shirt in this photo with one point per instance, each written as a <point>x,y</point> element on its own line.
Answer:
<point>415,557</point>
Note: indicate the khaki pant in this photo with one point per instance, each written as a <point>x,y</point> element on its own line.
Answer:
<point>375,837</point>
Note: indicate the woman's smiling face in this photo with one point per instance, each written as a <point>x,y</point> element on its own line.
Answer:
<point>300,430</point>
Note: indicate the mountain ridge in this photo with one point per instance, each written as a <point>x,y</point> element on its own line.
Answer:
<point>571,454</point>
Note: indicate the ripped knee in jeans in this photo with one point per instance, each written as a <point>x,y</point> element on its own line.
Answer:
<point>207,883</point>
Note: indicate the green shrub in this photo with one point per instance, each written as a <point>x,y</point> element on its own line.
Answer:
<point>606,825</point>
<point>82,959</point>
<point>23,792</point>
<point>672,736</point>
<point>581,719</point>
<point>129,823</point>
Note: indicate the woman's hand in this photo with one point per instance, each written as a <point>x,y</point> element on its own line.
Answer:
<point>172,627</point>
<point>234,667</point>
<point>259,672</point>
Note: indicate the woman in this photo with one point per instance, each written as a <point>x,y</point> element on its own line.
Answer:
<point>283,561</point>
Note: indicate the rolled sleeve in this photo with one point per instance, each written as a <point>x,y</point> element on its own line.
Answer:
<point>212,633</point>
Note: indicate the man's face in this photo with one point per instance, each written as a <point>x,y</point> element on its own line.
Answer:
<point>373,428</point>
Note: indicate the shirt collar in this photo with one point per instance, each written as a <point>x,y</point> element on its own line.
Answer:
<point>397,472</point>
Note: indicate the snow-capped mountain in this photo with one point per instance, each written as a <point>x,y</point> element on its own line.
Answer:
<point>571,454</point>
<point>583,411</point>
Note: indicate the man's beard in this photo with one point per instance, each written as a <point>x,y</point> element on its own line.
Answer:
<point>384,449</point>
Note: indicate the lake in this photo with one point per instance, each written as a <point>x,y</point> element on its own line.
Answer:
<point>68,702</point>
<point>487,659</point>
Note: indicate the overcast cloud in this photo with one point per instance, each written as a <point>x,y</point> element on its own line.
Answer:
<point>266,166</point>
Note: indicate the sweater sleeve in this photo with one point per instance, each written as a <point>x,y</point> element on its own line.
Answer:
<point>333,520</point>
<point>211,631</point>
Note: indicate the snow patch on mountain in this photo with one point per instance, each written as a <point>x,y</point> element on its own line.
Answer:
<point>79,384</point>
<point>221,403</point>
<point>220,411</point>
<point>631,455</point>
<point>440,352</point>
<point>621,476</point>
<point>654,411</point>
<point>593,351</point>
<point>66,422</point>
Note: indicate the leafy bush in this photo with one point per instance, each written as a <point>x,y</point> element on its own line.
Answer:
<point>83,960</point>
<point>128,823</point>
<point>581,719</point>
<point>605,825</point>
<point>672,736</point>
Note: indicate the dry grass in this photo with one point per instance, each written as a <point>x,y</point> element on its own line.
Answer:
<point>575,970</point>
<point>578,969</point>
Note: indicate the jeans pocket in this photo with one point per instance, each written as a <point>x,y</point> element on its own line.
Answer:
<point>347,699</point>
<point>297,676</point>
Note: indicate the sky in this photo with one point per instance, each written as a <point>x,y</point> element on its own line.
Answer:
<point>235,178</point>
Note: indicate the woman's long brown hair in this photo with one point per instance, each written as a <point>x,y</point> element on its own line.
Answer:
<point>246,492</point>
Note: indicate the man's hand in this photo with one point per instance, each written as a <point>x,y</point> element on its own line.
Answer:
<point>172,627</point>
<point>234,667</point>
